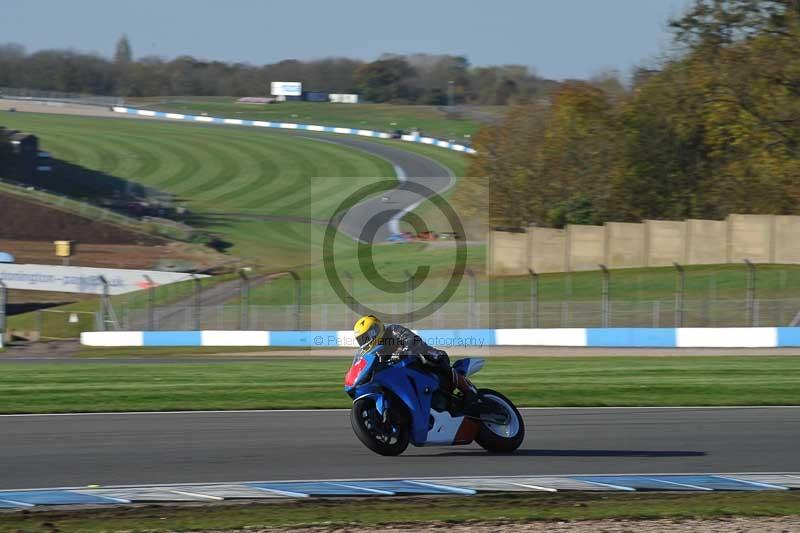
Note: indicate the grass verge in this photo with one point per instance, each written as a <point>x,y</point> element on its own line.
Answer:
<point>410,511</point>
<point>316,382</point>
<point>432,120</point>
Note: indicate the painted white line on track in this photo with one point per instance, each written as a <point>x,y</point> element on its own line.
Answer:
<point>532,487</point>
<point>694,487</point>
<point>197,495</point>
<point>755,483</point>
<point>268,411</point>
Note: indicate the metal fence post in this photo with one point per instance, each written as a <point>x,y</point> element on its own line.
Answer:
<point>752,319</point>
<point>298,288</point>
<point>151,302</point>
<point>103,305</point>
<point>3,300</point>
<point>656,313</point>
<point>196,308</point>
<point>606,297</point>
<point>244,299</point>
<point>534,298</point>
<point>472,297</point>
<point>107,314</point>
<point>410,297</point>
<point>680,287</point>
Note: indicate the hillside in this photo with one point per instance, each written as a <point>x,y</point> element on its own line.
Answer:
<point>28,220</point>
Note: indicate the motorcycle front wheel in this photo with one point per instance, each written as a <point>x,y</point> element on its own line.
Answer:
<point>388,437</point>
<point>500,438</point>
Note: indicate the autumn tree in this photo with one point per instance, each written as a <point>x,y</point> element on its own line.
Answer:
<point>123,53</point>
<point>384,80</point>
<point>549,163</point>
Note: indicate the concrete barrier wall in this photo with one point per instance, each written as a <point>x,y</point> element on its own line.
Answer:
<point>787,239</point>
<point>665,242</point>
<point>508,253</point>
<point>547,248</point>
<point>625,245</point>
<point>585,247</point>
<point>750,237</point>
<point>706,242</point>
<point>581,337</point>
<point>759,238</point>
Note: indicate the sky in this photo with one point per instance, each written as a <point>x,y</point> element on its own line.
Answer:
<point>556,38</point>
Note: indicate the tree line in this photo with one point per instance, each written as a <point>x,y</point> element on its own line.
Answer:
<point>418,78</point>
<point>714,130</point>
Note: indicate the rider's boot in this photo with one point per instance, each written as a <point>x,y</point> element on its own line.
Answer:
<point>473,406</point>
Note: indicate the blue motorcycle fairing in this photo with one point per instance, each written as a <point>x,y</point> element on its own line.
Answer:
<point>412,387</point>
<point>374,392</point>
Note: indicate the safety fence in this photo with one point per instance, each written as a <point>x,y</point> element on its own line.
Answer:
<point>19,93</point>
<point>514,314</point>
<point>291,126</point>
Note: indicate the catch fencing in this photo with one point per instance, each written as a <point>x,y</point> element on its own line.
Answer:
<point>751,296</point>
<point>465,315</point>
<point>18,93</point>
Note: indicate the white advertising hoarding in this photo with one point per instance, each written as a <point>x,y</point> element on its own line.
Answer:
<point>338,98</point>
<point>287,88</point>
<point>84,280</point>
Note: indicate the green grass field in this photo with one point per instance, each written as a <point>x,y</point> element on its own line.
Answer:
<point>382,117</point>
<point>417,514</point>
<point>238,172</point>
<point>309,382</point>
<point>214,169</point>
<point>210,168</point>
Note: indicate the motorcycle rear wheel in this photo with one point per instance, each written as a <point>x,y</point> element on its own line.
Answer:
<point>370,429</point>
<point>501,438</point>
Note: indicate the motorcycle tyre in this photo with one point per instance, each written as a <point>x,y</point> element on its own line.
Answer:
<point>366,437</point>
<point>494,443</point>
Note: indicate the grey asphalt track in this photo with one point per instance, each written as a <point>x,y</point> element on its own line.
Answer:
<point>109,449</point>
<point>421,177</point>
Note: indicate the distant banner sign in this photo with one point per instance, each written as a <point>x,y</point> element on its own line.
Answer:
<point>338,98</point>
<point>287,88</point>
<point>84,280</point>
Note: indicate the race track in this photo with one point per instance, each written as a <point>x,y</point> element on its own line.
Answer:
<point>369,218</point>
<point>118,449</point>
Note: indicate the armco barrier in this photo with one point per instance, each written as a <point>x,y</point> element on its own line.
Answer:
<point>290,126</point>
<point>478,338</point>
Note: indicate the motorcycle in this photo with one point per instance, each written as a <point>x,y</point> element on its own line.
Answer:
<point>396,402</point>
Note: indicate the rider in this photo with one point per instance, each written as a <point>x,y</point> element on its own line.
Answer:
<point>400,341</point>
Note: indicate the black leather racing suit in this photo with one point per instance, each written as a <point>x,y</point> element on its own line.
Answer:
<point>401,341</point>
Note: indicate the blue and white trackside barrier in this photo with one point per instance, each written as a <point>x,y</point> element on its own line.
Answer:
<point>290,126</point>
<point>773,337</point>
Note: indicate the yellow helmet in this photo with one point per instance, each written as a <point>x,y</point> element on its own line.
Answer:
<point>368,330</point>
